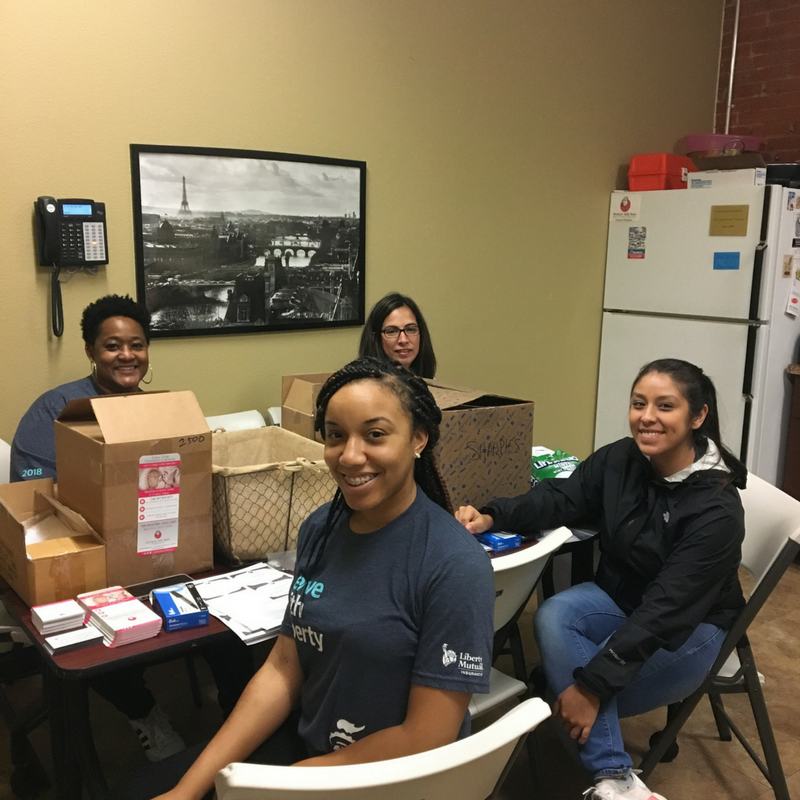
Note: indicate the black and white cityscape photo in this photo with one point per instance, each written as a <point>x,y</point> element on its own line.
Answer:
<point>232,241</point>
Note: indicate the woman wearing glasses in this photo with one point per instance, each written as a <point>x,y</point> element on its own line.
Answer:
<point>396,331</point>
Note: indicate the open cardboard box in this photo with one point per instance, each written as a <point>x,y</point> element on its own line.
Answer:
<point>47,551</point>
<point>485,445</point>
<point>138,468</point>
<point>299,402</point>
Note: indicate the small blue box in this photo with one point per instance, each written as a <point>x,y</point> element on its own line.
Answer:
<point>173,603</point>
<point>500,541</point>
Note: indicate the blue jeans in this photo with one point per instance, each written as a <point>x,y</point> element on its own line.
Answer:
<point>572,626</point>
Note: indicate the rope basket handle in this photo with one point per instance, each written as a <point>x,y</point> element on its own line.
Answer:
<point>298,465</point>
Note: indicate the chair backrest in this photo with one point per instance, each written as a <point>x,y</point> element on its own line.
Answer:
<point>5,461</point>
<point>468,769</point>
<point>516,574</point>
<point>770,518</point>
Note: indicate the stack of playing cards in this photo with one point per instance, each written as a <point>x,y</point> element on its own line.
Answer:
<point>57,617</point>
<point>119,616</point>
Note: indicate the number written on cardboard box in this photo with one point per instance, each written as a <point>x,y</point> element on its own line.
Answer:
<point>184,440</point>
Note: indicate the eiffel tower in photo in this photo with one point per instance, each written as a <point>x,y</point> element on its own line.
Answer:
<point>185,211</point>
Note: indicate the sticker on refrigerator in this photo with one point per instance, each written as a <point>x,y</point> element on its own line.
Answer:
<point>788,263</point>
<point>159,501</point>
<point>636,237</point>
<point>625,208</point>
<point>729,220</point>
<point>790,201</point>
<point>726,260</point>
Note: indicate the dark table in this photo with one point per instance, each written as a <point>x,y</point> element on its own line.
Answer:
<point>66,681</point>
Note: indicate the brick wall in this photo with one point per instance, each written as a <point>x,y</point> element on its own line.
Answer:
<point>766,79</point>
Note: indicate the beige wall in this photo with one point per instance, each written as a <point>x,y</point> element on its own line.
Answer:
<point>492,131</point>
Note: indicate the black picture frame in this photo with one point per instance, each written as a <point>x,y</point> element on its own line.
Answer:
<point>245,241</point>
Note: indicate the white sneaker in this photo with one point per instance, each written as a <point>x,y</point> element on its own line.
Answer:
<point>157,736</point>
<point>608,789</point>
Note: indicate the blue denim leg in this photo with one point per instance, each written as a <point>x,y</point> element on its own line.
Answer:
<point>570,628</point>
<point>570,632</point>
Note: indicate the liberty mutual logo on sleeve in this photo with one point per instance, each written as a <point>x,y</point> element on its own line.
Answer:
<point>448,656</point>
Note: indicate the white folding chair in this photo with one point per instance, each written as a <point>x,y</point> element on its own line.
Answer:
<point>239,421</point>
<point>5,461</point>
<point>515,577</point>
<point>469,769</point>
<point>771,543</point>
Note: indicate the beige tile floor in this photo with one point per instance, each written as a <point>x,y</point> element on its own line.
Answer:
<point>705,768</point>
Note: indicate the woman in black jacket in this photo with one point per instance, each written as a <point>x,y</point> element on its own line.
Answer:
<point>646,631</point>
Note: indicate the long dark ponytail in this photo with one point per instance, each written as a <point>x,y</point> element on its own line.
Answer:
<point>417,401</point>
<point>699,391</point>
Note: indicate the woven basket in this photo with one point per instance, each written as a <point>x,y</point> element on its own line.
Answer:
<point>265,483</point>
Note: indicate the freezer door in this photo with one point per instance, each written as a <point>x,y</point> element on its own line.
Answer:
<point>630,341</point>
<point>665,260</point>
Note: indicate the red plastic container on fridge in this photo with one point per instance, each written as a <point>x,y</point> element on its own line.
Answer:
<point>659,171</point>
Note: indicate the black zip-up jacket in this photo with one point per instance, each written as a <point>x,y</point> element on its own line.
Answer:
<point>669,551</point>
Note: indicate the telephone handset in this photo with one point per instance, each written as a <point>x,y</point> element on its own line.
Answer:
<point>69,233</point>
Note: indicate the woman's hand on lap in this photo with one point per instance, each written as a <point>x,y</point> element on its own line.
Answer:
<point>577,709</point>
<point>473,520</point>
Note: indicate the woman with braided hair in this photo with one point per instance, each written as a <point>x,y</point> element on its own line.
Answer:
<point>388,629</point>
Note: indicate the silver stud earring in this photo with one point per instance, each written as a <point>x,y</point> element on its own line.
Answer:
<point>417,455</point>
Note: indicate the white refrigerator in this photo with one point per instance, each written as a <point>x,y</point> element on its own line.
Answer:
<point>706,275</point>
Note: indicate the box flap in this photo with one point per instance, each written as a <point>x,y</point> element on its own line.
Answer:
<point>299,391</point>
<point>143,415</point>
<point>18,498</point>
<point>450,396</point>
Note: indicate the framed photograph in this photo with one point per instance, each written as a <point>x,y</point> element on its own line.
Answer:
<point>242,241</point>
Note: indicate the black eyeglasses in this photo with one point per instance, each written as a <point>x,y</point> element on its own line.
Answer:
<point>393,333</point>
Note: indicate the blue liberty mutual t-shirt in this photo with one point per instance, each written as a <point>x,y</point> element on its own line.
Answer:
<point>410,603</point>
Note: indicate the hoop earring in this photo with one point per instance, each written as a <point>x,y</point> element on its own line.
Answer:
<point>94,370</point>
<point>150,372</point>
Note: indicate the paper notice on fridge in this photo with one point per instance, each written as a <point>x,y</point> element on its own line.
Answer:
<point>793,304</point>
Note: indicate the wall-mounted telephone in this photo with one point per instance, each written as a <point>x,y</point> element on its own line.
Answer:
<point>69,233</point>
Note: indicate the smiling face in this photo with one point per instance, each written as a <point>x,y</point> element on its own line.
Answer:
<point>369,449</point>
<point>662,424</point>
<point>120,353</point>
<point>404,348</point>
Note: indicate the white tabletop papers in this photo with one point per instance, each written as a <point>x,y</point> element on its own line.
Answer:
<point>251,601</point>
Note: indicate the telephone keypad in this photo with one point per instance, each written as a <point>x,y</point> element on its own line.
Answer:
<point>93,241</point>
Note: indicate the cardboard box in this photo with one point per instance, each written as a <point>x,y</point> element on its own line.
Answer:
<point>299,401</point>
<point>63,555</point>
<point>266,482</point>
<point>485,446</point>
<point>138,468</point>
<point>715,178</point>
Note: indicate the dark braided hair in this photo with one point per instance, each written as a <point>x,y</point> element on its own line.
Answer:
<point>699,391</point>
<point>417,401</point>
